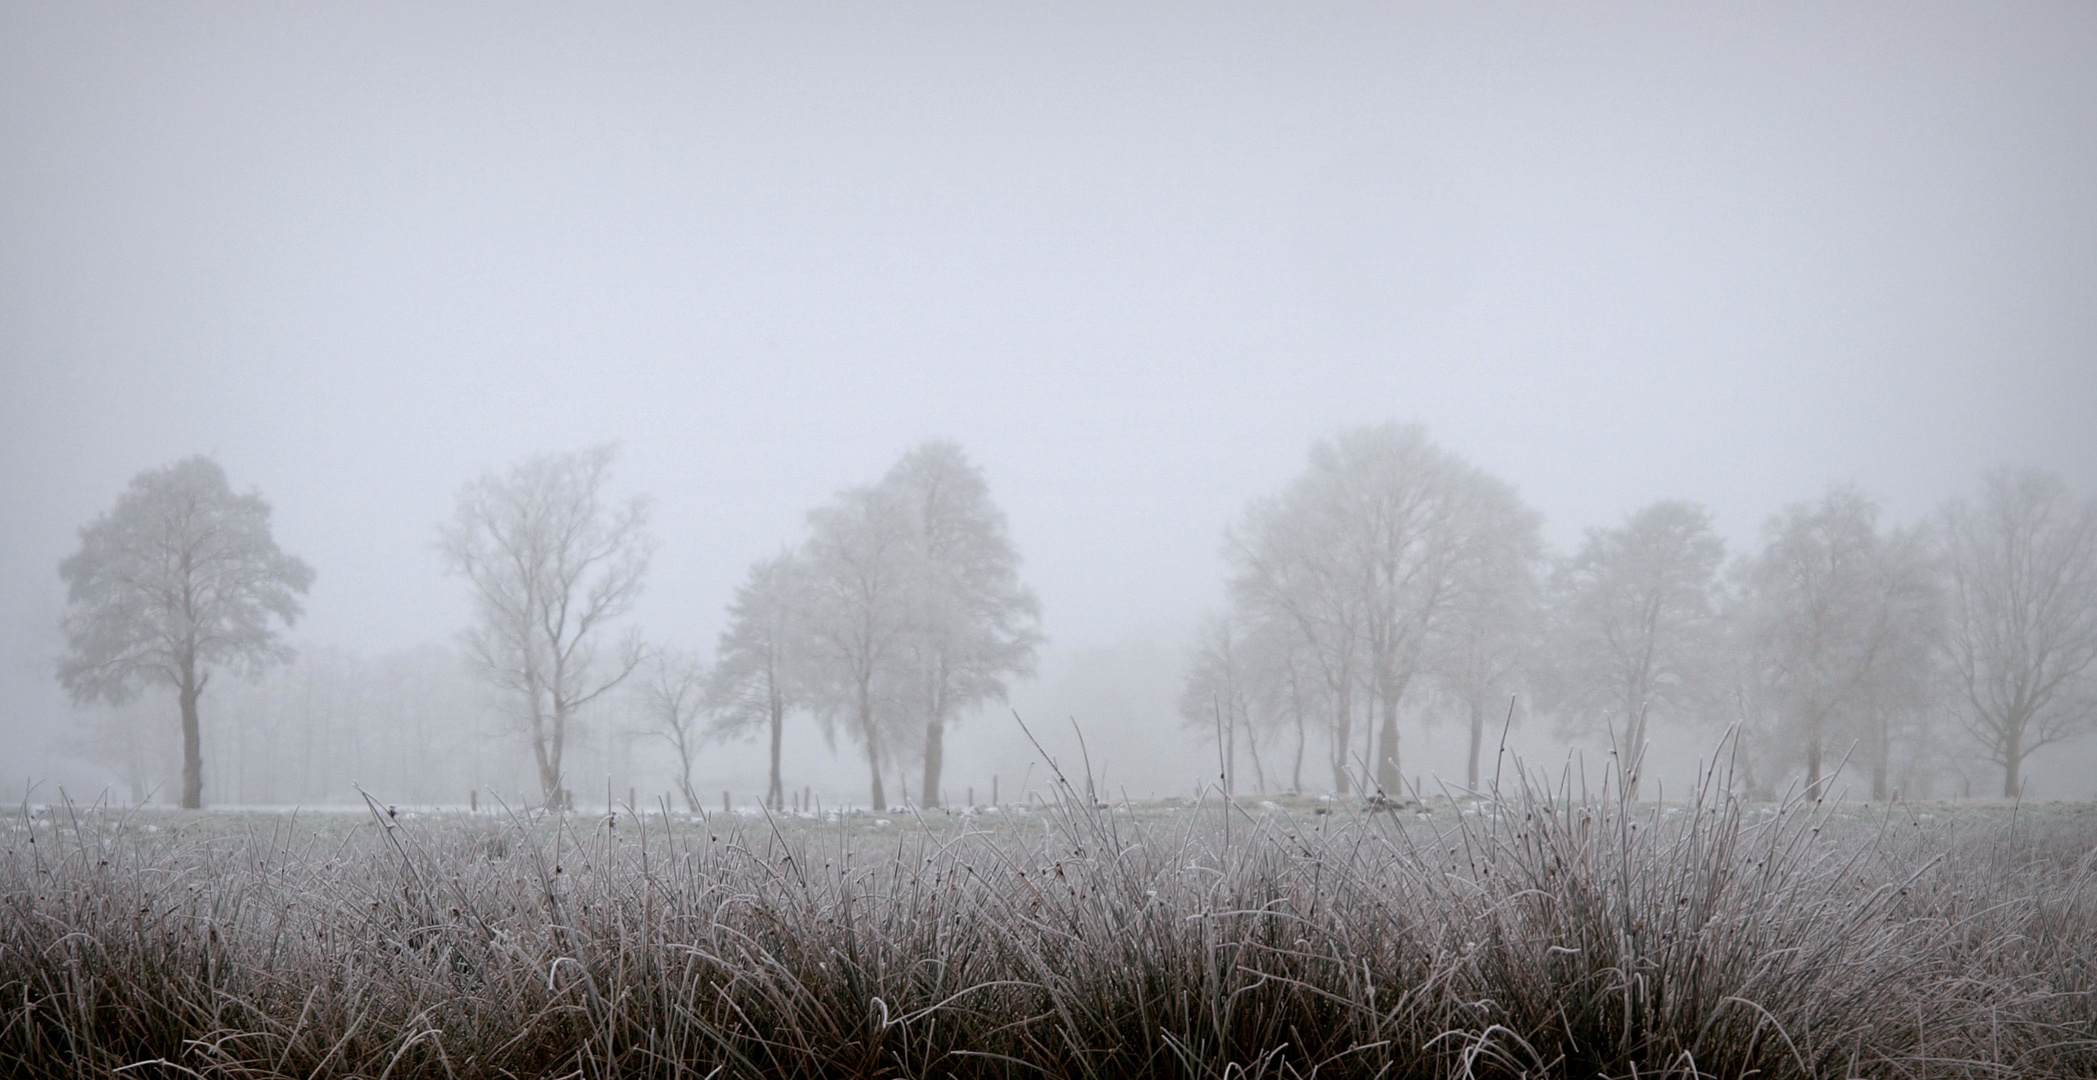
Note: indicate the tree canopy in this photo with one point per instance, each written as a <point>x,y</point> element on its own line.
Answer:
<point>2023,594</point>
<point>553,562</point>
<point>179,579</point>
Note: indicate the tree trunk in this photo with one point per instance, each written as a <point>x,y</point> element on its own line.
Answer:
<point>560,749</point>
<point>1296,768</point>
<point>1633,763</point>
<point>547,747</point>
<point>547,776</point>
<point>773,793</point>
<point>872,740</point>
<point>2013,760</point>
<point>1744,755</point>
<point>1881,754</point>
<point>873,764</point>
<point>1813,758</point>
<point>1342,738</point>
<point>192,743</point>
<point>1252,745</point>
<point>691,798</point>
<point>1477,738</point>
<point>935,747</point>
<point>1387,750</point>
<point>544,754</point>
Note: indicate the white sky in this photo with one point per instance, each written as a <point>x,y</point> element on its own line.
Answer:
<point>1135,258</point>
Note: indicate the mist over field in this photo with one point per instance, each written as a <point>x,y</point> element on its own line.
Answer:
<point>1210,541</point>
<point>1314,383</point>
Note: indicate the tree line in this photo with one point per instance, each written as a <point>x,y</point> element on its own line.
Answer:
<point>1390,579</point>
<point>1391,575</point>
<point>897,613</point>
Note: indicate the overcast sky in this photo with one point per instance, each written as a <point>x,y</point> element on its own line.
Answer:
<point>1134,258</point>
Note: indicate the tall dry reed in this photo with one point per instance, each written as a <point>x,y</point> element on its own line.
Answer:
<point>1546,932</point>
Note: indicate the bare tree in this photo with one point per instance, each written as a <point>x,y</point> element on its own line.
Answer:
<point>1635,626</point>
<point>673,692</point>
<point>1485,654</point>
<point>180,577</point>
<point>1835,613</point>
<point>972,626</point>
<point>858,612</point>
<point>1483,634</point>
<point>757,677</point>
<point>1223,694</point>
<point>1395,498</point>
<point>1290,691</point>
<point>552,565</point>
<point>2023,633</point>
<point>1284,577</point>
<point>1254,681</point>
<point>1368,556</point>
<point>1898,694</point>
<point>912,611</point>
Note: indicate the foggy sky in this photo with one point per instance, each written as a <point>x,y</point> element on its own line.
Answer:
<point>1135,259</point>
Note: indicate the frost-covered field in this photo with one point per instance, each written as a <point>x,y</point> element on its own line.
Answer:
<point>1536,935</point>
